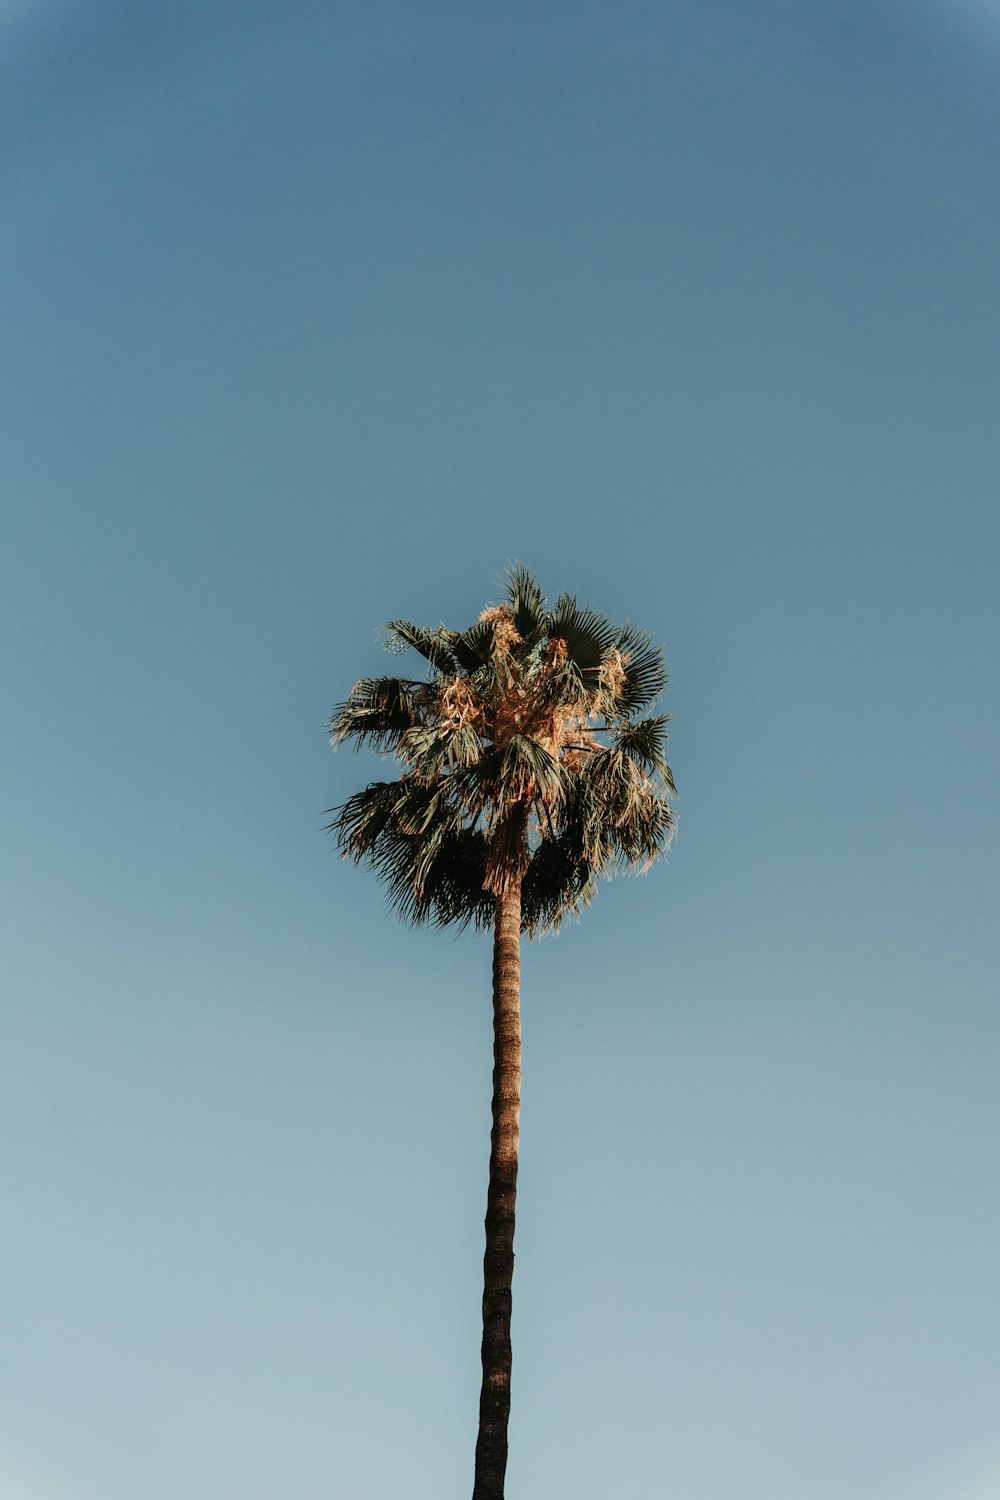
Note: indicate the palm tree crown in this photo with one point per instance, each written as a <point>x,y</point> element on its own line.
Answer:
<point>524,761</point>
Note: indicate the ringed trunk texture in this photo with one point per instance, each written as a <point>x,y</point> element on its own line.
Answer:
<point>498,1262</point>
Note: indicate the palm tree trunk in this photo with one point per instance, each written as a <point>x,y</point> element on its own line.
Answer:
<point>498,1262</point>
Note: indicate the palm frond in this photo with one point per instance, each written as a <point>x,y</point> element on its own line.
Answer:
<point>627,818</point>
<point>643,740</point>
<point>557,884</point>
<point>431,749</point>
<point>570,683</point>
<point>493,677</point>
<point>435,645</point>
<point>455,886</point>
<point>646,672</point>
<point>378,712</point>
<point>527,603</point>
<point>432,867</point>
<point>589,637</point>
<point>527,770</point>
<point>473,647</point>
<point>361,820</point>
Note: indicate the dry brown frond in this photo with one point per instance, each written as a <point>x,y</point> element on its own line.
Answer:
<point>577,739</point>
<point>459,708</point>
<point>546,733</point>
<point>511,715</point>
<point>505,632</point>
<point>564,722</point>
<point>578,746</point>
<point>613,672</point>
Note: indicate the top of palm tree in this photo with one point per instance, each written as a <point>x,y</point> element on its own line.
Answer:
<point>523,760</point>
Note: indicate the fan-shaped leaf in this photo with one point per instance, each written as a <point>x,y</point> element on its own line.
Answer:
<point>589,637</point>
<point>473,647</point>
<point>527,603</point>
<point>435,645</point>
<point>378,712</point>
<point>646,673</point>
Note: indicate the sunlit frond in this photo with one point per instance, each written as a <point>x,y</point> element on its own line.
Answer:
<point>644,740</point>
<point>646,673</point>
<point>588,636</point>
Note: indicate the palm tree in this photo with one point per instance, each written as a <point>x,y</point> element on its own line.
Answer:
<point>526,772</point>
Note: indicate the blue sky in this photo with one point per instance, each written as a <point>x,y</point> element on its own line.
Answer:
<point>316,317</point>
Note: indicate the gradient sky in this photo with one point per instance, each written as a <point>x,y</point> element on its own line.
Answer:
<point>316,316</point>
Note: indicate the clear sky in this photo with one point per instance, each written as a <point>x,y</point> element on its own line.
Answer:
<point>315,316</point>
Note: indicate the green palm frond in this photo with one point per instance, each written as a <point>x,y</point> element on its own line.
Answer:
<point>378,713</point>
<point>431,749</point>
<point>435,645</point>
<point>456,886</point>
<point>476,784</point>
<point>527,603</point>
<point>527,769</point>
<point>627,820</point>
<point>589,637</point>
<point>432,867</point>
<point>472,649</point>
<point>646,673</point>
<point>644,832</point>
<point>643,740</point>
<point>462,747</point>
<point>571,683</point>
<point>557,884</point>
<point>363,818</point>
